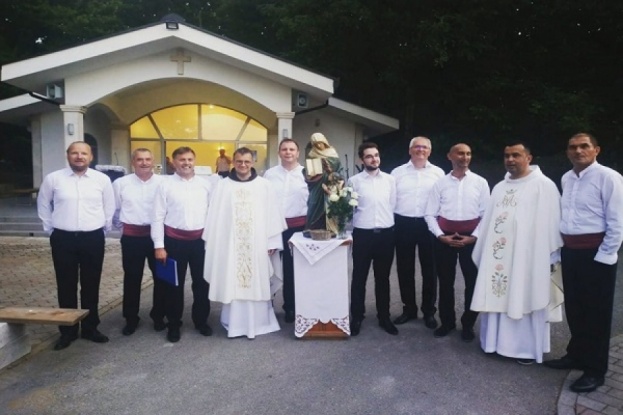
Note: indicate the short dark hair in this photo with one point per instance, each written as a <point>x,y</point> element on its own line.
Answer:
<point>242,151</point>
<point>183,150</point>
<point>513,143</point>
<point>288,140</point>
<point>364,146</point>
<point>589,136</point>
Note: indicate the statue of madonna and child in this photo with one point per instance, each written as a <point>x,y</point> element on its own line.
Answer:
<point>330,204</point>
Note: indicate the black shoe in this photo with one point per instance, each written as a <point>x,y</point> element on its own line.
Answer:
<point>388,326</point>
<point>525,362</point>
<point>65,341</point>
<point>587,383</point>
<point>467,334</point>
<point>159,325</point>
<point>130,328</point>
<point>290,316</point>
<point>565,363</point>
<point>355,327</point>
<point>173,335</point>
<point>404,317</point>
<point>443,331</point>
<point>430,322</point>
<point>94,336</point>
<point>205,330</point>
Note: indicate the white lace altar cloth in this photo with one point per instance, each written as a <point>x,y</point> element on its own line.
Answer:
<point>320,286</point>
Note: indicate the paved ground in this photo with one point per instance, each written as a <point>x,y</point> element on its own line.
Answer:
<point>374,373</point>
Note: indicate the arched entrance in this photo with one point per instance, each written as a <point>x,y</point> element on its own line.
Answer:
<point>206,128</point>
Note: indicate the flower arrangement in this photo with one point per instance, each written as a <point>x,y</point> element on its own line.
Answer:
<point>341,204</point>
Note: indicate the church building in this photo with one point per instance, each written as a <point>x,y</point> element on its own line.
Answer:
<point>170,84</point>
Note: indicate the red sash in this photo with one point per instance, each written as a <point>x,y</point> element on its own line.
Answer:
<point>457,226</point>
<point>182,235</point>
<point>297,222</point>
<point>585,241</point>
<point>136,230</point>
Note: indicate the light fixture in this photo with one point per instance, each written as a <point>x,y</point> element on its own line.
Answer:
<point>70,129</point>
<point>172,25</point>
<point>284,133</point>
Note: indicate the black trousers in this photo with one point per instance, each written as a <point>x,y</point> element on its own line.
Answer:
<point>187,254</point>
<point>412,232</point>
<point>78,258</point>
<point>589,297</point>
<point>374,247</point>
<point>288,269</point>
<point>446,258</point>
<point>134,251</point>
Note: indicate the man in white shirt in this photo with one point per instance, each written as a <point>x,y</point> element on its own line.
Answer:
<point>76,205</point>
<point>414,180</point>
<point>455,205</point>
<point>291,189</point>
<point>134,197</point>
<point>180,209</point>
<point>373,237</point>
<point>243,230</point>
<point>592,230</point>
<point>518,242</point>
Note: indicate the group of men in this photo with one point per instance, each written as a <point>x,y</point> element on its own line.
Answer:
<point>228,233</point>
<point>160,217</point>
<point>508,243</point>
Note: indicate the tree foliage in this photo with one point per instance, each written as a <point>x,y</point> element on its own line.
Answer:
<point>482,71</point>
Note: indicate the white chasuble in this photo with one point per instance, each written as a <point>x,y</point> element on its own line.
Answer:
<point>518,234</point>
<point>243,223</point>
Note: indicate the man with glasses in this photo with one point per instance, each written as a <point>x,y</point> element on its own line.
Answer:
<point>242,231</point>
<point>414,180</point>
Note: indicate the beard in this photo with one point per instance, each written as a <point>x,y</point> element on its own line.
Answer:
<point>370,168</point>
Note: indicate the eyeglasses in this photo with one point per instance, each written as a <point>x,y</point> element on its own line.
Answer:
<point>420,147</point>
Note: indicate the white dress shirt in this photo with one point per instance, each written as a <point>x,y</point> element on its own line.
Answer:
<point>181,204</point>
<point>412,188</point>
<point>377,200</point>
<point>76,203</point>
<point>291,189</point>
<point>592,202</point>
<point>134,199</point>
<point>457,199</point>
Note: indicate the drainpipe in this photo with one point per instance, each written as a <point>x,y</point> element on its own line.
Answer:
<point>43,98</point>
<point>319,107</point>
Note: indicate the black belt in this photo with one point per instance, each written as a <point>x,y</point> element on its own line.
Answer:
<point>375,230</point>
<point>77,233</point>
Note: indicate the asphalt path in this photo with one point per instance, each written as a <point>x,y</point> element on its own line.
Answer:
<point>373,373</point>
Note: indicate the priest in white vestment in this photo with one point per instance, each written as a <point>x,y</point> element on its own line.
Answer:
<point>518,242</point>
<point>243,230</point>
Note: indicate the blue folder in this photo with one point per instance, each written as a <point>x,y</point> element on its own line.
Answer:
<point>167,272</point>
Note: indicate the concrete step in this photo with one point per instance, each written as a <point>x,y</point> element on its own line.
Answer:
<point>20,219</point>
<point>20,226</point>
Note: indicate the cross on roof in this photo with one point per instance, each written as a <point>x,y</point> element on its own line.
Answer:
<point>180,58</point>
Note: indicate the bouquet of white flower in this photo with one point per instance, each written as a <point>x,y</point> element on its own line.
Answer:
<point>342,202</point>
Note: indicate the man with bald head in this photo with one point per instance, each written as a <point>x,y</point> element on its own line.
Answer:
<point>76,205</point>
<point>414,180</point>
<point>455,205</point>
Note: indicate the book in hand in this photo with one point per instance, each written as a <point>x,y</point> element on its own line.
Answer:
<point>167,271</point>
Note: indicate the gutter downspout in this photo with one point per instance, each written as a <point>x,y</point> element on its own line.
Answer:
<point>319,107</point>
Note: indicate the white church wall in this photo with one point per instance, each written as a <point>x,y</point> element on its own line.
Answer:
<point>87,88</point>
<point>341,133</point>
<point>52,142</point>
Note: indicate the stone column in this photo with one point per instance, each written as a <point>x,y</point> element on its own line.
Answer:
<point>73,123</point>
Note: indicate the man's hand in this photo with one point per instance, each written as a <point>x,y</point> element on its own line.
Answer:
<point>456,240</point>
<point>160,254</point>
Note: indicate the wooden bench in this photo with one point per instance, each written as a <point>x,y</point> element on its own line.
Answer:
<point>14,340</point>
